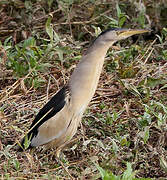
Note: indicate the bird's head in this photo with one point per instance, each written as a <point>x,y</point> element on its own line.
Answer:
<point>115,34</point>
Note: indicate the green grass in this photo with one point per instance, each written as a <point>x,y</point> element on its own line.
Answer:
<point>127,175</point>
<point>124,128</point>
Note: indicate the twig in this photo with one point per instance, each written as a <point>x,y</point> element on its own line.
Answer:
<point>148,49</point>
<point>76,22</point>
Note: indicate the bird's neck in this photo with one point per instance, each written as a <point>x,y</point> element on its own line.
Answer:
<point>85,77</point>
<point>99,49</point>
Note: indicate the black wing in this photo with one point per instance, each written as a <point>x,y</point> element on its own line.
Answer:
<point>52,107</point>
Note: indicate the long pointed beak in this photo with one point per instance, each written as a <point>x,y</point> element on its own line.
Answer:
<point>130,32</point>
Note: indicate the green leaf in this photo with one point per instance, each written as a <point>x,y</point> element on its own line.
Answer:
<point>113,22</point>
<point>29,42</point>
<point>161,105</point>
<point>7,41</point>
<point>27,141</point>
<point>141,19</point>
<point>128,174</point>
<point>37,82</point>
<point>118,11</point>
<point>145,120</point>
<point>16,164</point>
<point>49,28</point>
<point>50,3</point>
<point>153,82</point>
<point>56,37</point>
<point>105,175</point>
<point>163,163</point>
<point>115,115</point>
<point>122,21</point>
<point>146,134</point>
<point>43,66</point>
<point>124,141</point>
<point>101,170</point>
<point>114,146</point>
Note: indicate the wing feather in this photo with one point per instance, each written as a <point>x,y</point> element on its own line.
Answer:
<point>50,109</point>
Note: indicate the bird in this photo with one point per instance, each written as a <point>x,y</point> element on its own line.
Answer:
<point>57,122</point>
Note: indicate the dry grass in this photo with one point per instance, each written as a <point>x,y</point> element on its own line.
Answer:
<point>126,120</point>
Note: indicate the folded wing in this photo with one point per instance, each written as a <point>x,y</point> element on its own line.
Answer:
<point>46,114</point>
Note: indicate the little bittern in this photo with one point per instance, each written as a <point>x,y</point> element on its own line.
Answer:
<point>57,122</point>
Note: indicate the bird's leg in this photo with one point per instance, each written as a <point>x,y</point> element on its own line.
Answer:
<point>58,151</point>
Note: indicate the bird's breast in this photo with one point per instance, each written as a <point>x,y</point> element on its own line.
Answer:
<point>83,83</point>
